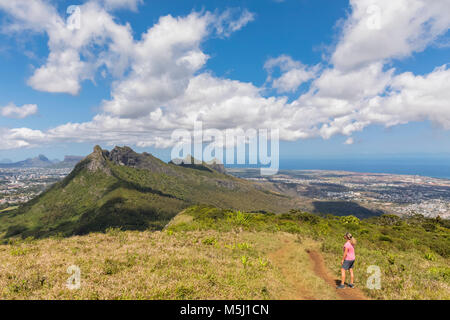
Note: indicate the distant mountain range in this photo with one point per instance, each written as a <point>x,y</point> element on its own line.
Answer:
<point>42,161</point>
<point>135,191</point>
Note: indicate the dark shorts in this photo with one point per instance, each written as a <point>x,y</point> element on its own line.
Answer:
<point>348,264</point>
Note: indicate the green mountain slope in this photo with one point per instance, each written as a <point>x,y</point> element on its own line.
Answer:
<point>122,188</point>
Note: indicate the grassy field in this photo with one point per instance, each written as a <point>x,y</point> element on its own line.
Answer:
<point>210,253</point>
<point>158,265</point>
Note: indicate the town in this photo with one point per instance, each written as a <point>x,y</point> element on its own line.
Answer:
<point>381,193</point>
<point>387,193</point>
<point>18,185</point>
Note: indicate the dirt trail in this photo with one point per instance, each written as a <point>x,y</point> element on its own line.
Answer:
<point>281,257</point>
<point>298,288</point>
<point>321,270</point>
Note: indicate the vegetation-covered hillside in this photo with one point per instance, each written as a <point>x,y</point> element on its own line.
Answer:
<point>413,253</point>
<point>132,191</point>
<point>212,253</point>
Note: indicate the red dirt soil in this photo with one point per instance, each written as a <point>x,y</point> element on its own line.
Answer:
<point>321,270</point>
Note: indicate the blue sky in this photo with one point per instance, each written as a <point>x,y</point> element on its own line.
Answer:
<point>232,43</point>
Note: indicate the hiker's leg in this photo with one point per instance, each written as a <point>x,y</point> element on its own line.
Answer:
<point>351,276</point>
<point>342,276</point>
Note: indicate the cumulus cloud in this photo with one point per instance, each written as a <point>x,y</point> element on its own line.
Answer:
<point>15,112</point>
<point>231,20</point>
<point>72,42</point>
<point>414,98</point>
<point>379,30</point>
<point>166,86</point>
<point>20,138</point>
<point>163,62</point>
<point>293,73</point>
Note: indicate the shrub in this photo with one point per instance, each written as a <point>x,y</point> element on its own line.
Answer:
<point>290,226</point>
<point>243,246</point>
<point>430,256</point>
<point>244,260</point>
<point>385,238</point>
<point>263,262</point>
<point>305,217</point>
<point>350,220</point>
<point>287,216</point>
<point>389,220</point>
<point>239,218</point>
<point>429,227</point>
<point>323,229</point>
<point>440,247</point>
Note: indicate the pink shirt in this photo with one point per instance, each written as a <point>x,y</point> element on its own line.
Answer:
<point>350,251</point>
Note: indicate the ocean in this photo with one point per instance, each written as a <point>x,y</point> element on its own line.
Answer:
<point>429,167</point>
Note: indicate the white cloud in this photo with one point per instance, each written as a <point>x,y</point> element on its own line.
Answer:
<point>165,86</point>
<point>13,111</point>
<point>293,73</point>
<point>33,15</point>
<point>163,62</point>
<point>77,53</point>
<point>72,58</point>
<point>414,98</point>
<point>379,30</point>
<point>231,20</point>
<point>20,138</point>
<point>62,73</point>
<point>349,141</point>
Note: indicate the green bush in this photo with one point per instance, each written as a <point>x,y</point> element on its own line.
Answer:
<point>429,227</point>
<point>430,256</point>
<point>305,216</point>
<point>350,220</point>
<point>239,218</point>
<point>389,220</point>
<point>385,238</point>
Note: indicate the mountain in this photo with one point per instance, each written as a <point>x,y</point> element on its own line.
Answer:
<point>40,161</point>
<point>191,162</point>
<point>129,190</point>
<point>68,162</point>
<point>5,161</point>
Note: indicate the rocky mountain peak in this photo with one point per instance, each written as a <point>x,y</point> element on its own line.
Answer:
<point>124,156</point>
<point>97,160</point>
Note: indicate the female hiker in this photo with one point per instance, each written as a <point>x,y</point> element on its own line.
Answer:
<point>348,260</point>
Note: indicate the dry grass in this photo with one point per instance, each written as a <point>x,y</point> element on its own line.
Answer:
<point>300,281</point>
<point>160,265</point>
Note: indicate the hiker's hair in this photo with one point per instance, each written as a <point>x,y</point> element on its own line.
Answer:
<point>349,236</point>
